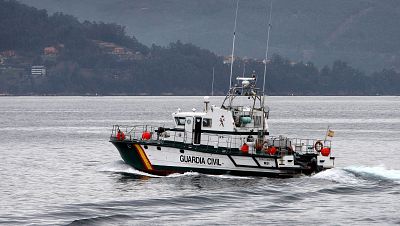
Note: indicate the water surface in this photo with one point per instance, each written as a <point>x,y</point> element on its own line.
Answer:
<point>59,168</point>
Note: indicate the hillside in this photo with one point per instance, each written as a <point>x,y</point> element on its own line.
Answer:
<point>56,54</point>
<point>364,33</point>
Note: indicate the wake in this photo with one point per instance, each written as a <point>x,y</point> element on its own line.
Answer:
<point>375,172</point>
<point>122,167</point>
<point>345,175</point>
<point>357,174</point>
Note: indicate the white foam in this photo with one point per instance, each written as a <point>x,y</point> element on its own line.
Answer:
<point>226,176</point>
<point>183,174</point>
<point>121,167</point>
<point>377,171</point>
<point>337,175</point>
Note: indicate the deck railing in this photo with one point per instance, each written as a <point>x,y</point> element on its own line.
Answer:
<point>227,143</point>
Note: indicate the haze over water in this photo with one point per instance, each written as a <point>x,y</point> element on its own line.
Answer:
<point>59,168</point>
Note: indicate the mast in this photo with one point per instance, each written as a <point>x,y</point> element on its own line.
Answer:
<point>266,58</point>
<point>244,71</point>
<point>267,47</point>
<point>233,44</point>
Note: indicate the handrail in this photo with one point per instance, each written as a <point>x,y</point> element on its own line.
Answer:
<point>230,142</point>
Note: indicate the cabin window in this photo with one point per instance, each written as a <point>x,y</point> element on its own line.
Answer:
<point>207,122</point>
<point>180,121</point>
<point>257,120</point>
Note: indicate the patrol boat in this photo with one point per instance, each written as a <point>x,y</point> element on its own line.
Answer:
<point>229,139</point>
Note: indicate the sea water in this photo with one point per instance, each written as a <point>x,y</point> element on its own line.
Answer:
<point>57,166</point>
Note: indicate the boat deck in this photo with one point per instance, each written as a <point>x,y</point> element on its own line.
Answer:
<point>214,143</point>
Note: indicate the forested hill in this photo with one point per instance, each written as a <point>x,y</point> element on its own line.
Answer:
<point>56,54</point>
<point>364,33</point>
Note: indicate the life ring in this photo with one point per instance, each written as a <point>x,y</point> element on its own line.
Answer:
<point>318,146</point>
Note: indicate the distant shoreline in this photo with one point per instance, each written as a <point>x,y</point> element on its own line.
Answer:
<point>117,95</point>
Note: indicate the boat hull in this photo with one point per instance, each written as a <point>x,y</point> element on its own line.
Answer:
<point>164,160</point>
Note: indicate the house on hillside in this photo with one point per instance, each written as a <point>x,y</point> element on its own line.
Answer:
<point>38,71</point>
<point>119,52</point>
<point>107,47</point>
<point>228,59</point>
<point>262,61</point>
<point>50,51</point>
<point>7,56</point>
<point>8,53</point>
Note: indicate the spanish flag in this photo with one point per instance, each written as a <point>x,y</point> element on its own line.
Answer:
<point>330,133</point>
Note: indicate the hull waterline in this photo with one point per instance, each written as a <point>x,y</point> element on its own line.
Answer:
<point>139,156</point>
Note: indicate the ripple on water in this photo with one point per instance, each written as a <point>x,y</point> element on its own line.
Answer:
<point>58,166</point>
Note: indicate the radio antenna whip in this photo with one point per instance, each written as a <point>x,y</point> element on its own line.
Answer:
<point>265,64</point>
<point>266,50</point>
<point>233,44</point>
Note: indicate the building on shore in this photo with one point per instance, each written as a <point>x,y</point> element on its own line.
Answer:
<point>38,70</point>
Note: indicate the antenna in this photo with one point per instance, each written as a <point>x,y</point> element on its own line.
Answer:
<point>212,84</point>
<point>266,50</point>
<point>265,63</point>
<point>233,44</point>
<point>244,71</point>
